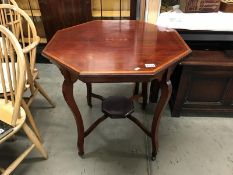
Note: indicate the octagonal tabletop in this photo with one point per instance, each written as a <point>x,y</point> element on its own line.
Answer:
<point>116,47</point>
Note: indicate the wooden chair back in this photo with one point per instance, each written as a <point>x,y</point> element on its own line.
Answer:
<point>23,27</point>
<point>12,70</point>
<point>18,21</point>
<point>12,2</point>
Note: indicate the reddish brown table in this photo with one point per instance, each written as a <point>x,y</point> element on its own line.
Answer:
<point>116,51</point>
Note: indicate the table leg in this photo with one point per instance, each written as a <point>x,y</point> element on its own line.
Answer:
<point>144,94</point>
<point>89,92</point>
<point>166,89</point>
<point>136,88</point>
<point>67,90</point>
<point>154,91</point>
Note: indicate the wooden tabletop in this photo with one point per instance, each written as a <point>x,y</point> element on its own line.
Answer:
<point>116,47</point>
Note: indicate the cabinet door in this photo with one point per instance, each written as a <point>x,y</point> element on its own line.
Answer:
<point>59,14</point>
<point>114,9</point>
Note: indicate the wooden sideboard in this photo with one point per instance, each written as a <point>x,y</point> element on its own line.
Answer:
<point>203,82</point>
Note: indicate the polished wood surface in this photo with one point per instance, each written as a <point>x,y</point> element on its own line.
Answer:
<point>116,51</point>
<point>116,47</point>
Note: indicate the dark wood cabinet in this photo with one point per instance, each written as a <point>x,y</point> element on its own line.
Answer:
<point>203,82</point>
<point>59,14</point>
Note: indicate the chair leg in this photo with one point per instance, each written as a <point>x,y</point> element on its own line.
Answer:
<point>89,91</point>
<point>31,98</point>
<point>42,91</point>
<point>31,119</point>
<point>35,140</point>
<point>14,164</point>
<point>36,143</point>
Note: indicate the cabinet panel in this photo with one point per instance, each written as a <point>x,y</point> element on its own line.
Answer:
<point>204,82</point>
<point>206,89</point>
<point>228,95</point>
<point>59,14</point>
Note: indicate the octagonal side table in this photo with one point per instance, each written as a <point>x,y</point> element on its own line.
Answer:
<point>116,51</point>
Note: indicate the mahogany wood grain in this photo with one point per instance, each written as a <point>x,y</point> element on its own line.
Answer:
<point>116,47</point>
<point>67,90</point>
<point>116,51</point>
<point>166,90</point>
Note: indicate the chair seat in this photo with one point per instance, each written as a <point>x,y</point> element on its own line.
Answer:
<point>6,112</point>
<point>117,106</point>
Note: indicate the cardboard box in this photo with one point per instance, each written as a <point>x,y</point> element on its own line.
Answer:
<point>199,6</point>
<point>226,6</point>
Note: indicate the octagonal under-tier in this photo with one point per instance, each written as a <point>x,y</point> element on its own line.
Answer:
<point>116,47</point>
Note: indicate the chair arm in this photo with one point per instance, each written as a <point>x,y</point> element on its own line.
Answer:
<point>32,45</point>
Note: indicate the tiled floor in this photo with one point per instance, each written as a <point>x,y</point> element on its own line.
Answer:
<point>188,145</point>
